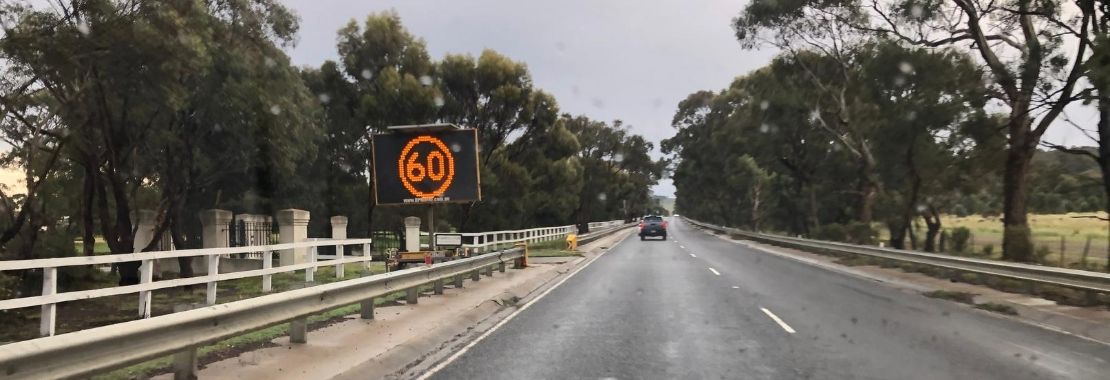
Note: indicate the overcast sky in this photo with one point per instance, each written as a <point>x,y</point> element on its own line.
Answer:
<point>624,59</point>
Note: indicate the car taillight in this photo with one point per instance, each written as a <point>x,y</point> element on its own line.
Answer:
<point>641,225</point>
<point>664,224</point>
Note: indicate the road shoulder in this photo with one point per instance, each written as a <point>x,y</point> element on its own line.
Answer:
<point>1092,323</point>
<point>403,339</point>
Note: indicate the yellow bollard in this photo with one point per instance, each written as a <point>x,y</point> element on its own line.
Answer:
<point>572,242</point>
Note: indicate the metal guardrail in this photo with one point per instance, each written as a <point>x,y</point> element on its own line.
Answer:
<point>99,349</point>
<point>1087,281</point>
<point>103,348</point>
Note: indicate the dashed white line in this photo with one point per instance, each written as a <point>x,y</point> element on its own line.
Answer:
<point>682,246</point>
<point>736,287</point>
<point>778,320</point>
<point>714,271</point>
<point>693,255</point>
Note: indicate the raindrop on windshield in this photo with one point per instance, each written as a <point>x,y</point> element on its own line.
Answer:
<point>917,11</point>
<point>275,110</point>
<point>598,103</point>
<point>763,105</point>
<point>899,80</point>
<point>324,98</point>
<point>439,101</point>
<point>366,74</point>
<point>270,62</point>
<point>83,27</point>
<point>602,197</point>
<point>455,147</point>
<point>905,67</point>
<point>618,157</point>
<point>426,80</point>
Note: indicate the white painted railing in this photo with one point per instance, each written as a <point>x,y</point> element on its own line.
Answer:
<point>50,297</point>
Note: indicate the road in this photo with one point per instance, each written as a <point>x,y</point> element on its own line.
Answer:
<point>698,307</point>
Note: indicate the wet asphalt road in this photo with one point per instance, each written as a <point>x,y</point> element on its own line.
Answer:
<point>697,307</point>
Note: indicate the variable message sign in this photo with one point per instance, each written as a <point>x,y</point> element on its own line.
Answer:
<point>415,167</point>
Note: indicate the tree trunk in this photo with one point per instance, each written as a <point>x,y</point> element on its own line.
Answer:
<point>1016,241</point>
<point>812,220</point>
<point>932,229</point>
<point>1104,154</point>
<point>869,190</point>
<point>87,224</point>
<point>897,234</point>
<point>756,190</point>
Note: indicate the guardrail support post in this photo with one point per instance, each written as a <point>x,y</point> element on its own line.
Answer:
<point>458,281</point>
<point>489,271</point>
<point>518,263</point>
<point>412,295</point>
<point>437,287</point>
<point>501,267</point>
<point>185,361</point>
<point>298,330</point>
<point>366,309</point>
<point>49,312</point>
<point>474,275</point>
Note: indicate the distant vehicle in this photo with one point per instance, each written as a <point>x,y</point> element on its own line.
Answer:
<point>654,226</point>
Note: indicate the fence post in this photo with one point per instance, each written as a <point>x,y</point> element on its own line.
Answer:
<point>310,273</point>
<point>213,271</point>
<point>144,234</point>
<point>339,232</point>
<point>49,311</point>
<point>293,228</point>
<point>267,263</point>
<point>1063,250</point>
<point>1086,249</point>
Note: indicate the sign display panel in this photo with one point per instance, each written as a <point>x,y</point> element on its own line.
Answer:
<point>426,167</point>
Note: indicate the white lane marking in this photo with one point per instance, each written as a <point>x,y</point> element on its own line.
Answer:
<point>479,339</point>
<point>693,255</point>
<point>714,271</point>
<point>778,320</point>
<point>681,246</point>
<point>736,287</point>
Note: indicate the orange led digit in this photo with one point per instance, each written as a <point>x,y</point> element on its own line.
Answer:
<point>438,167</point>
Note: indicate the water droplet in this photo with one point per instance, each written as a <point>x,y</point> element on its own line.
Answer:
<point>270,62</point>
<point>618,157</point>
<point>455,147</point>
<point>602,197</point>
<point>763,105</point>
<point>920,208</point>
<point>916,11</point>
<point>366,74</point>
<point>598,103</point>
<point>656,103</point>
<point>764,128</point>
<point>912,115</point>
<point>905,67</point>
<point>275,110</point>
<point>439,101</point>
<point>426,80</point>
<point>899,80</point>
<point>324,98</point>
<point>814,116</point>
<point>83,27</point>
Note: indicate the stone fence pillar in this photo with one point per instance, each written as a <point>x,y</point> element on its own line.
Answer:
<point>293,228</point>
<point>412,234</point>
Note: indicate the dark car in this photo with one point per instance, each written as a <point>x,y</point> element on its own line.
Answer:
<point>654,226</point>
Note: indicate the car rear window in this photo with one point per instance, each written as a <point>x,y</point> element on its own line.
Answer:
<point>653,219</point>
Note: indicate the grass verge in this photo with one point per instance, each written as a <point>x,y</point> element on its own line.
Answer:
<point>961,297</point>
<point>997,308</point>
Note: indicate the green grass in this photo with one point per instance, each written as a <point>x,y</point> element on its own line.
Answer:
<point>99,246</point>
<point>1047,231</point>
<point>997,308</point>
<point>961,297</point>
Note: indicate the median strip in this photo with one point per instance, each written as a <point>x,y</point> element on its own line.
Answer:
<point>778,320</point>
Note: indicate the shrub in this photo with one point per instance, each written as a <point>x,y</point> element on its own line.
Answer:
<point>861,233</point>
<point>960,237</point>
<point>988,249</point>
<point>830,232</point>
<point>1042,253</point>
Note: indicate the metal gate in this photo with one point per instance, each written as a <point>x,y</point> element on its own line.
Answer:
<point>385,241</point>
<point>247,230</point>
